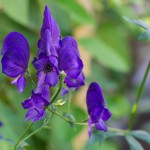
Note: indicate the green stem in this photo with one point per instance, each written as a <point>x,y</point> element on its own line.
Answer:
<point>135,106</point>
<point>122,132</point>
<point>59,115</point>
<point>39,129</point>
<point>69,102</point>
<point>26,130</point>
<point>28,72</point>
<point>33,133</point>
<point>62,76</point>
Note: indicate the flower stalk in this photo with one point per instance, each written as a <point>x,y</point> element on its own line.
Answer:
<point>23,134</point>
<point>135,106</point>
<point>61,82</point>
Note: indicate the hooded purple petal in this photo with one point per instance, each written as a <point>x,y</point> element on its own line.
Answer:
<point>94,97</point>
<point>69,42</point>
<point>97,107</point>
<point>16,53</point>
<point>69,59</point>
<point>50,35</point>
<point>70,63</point>
<point>16,48</point>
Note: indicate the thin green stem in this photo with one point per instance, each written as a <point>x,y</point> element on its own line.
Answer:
<point>62,76</point>
<point>31,134</point>
<point>59,115</point>
<point>39,129</point>
<point>135,106</point>
<point>69,102</point>
<point>26,130</point>
<point>28,72</point>
<point>121,131</point>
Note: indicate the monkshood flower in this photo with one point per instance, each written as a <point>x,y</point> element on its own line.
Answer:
<point>16,53</point>
<point>71,63</point>
<point>97,109</point>
<point>36,103</point>
<point>46,62</point>
<point>56,55</point>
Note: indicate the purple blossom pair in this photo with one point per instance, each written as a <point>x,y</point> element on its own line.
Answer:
<point>54,55</point>
<point>97,109</point>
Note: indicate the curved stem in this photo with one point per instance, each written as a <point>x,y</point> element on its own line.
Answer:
<point>39,129</point>
<point>69,102</point>
<point>33,133</point>
<point>135,106</point>
<point>59,115</point>
<point>121,131</point>
<point>28,72</point>
<point>26,130</point>
<point>62,76</point>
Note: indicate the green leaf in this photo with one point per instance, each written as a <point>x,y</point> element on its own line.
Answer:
<point>106,55</point>
<point>76,12</point>
<point>141,23</point>
<point>133,143</point>
<point>17,10</point>
<point>100,136</point>
<point>142,135</point>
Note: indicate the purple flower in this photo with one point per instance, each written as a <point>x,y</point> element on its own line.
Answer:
<point>36,103</point>
<point>97,109</point>
<point>71,63</point>
<point>16,53</point>
<point>55,55</point>
<point>46,62</point>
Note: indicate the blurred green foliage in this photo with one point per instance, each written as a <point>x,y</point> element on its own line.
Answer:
<point>111,63</point>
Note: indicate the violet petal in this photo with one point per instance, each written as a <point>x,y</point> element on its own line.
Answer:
<point>101,126</point>
<point>51,78</point>
<point>26,104</point>
<point>35,114</point>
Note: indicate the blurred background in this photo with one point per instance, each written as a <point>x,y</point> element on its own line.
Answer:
<point>112,55</point>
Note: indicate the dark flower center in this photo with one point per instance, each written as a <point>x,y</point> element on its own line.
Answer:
<point>48,67</point>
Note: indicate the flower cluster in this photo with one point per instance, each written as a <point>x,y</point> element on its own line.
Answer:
<point>55,55</point>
